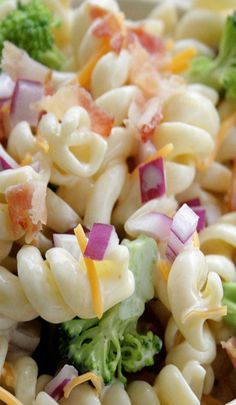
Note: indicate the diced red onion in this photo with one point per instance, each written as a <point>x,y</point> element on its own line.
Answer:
<point>184,223</point>
<point>201,213</point>
<point>153,224</point>
<point>6,161</point>
<point>102,241</point>
<point>152,179</point>
<point>182,229</point>
<point>67,242</point>
<point>6,86</point>
<point>195,202</point>
<point>55,387</point>
<point>26,93</point>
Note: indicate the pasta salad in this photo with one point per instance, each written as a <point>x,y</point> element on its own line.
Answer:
<point>117,203</point>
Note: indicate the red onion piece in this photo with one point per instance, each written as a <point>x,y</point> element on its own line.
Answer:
<point>67,242</point>
<point>152,179</point>
<point>6,161</point>
<point>184,223</point>
<point>195,202</point>
<point>182,229</point>
<point>153,224</point>
<point>102,241</point>
<point>55,387</point>
<point>201,213</point>
<point>26,92</point>
<point>6,86</point>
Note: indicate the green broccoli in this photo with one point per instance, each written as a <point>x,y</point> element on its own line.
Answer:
<point>219,72</point>
<point>230,301</point>
<point>113,345</point>
<point>30,27</point>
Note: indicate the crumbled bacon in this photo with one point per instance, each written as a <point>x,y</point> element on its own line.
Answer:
<point>71,95</point>
<point>142,72</point>
<point>144,115</point>
<point>101,122</point>
<point>111,27</point>
<point>27,209</point>
<point>230,347</point>
<point>152,44</point>
<point>96,12</point>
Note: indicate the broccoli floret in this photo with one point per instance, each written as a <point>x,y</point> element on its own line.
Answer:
<point>230,301</point>
<point>30,27</point>
<point>112,345</point>
<point>219,72</point>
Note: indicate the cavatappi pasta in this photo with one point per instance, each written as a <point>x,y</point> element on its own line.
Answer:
<point>117,203</point>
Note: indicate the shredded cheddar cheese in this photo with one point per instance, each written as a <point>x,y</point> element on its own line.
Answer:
<point>91,271</point>
<point>164,267</point>
<point>8,398</point>
<point>196,242</point>
<point>85,74</point>
<point>181,60</point>
<point>221,311</point>
<point>27,160</point>
<point>8,375</point>
<point>96,380</point>
<point>42,143</point>
<point>225,127</point>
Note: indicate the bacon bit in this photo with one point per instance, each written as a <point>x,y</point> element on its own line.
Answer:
<point>91,271</point>
<point>231,197</point>
<point>181,61</point>
<point>142,72</point>
<point>221,311</point>
<point>101,122</point>
<point>96,12</point>
<point>164,267</point>
<point>225,127</point>
<point>144,115</point>
<point>112,28</point>
<point>230,347</point>
<point>71,95</point>
<point>152,44</point>
<point>27,209</point>
<point>85,74</point>
<point>96,380</point>
<point>8,375</point>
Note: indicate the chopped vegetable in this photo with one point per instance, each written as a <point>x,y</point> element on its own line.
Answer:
<point>152,180</point>
<point>113,345</point>
<point>153,224</point>
<point>30,27</point>
<point>182,230</point>
<point>220,72</point>
<point>55,388</point>
<point>25,94</point>
<point>102,240</point>
<point>230,300</point>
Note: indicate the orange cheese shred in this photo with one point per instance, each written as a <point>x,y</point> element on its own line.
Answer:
<point>27,160</point>
<point>92,273</point>
<point>42,143</point>
<point>96,380</point>
<point>8,375</point>
<point>161,153</point>
<point>181,60</point>
<point>8,398</point>
<point>164,267</point>
<point>84,75</point>
<point>225,127</point>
